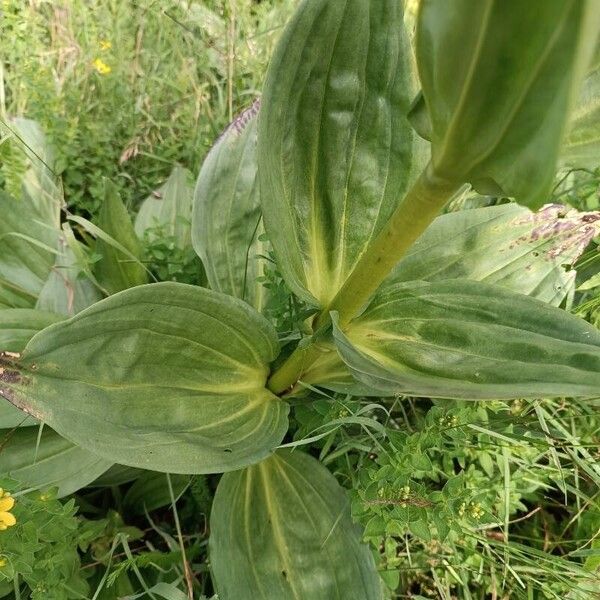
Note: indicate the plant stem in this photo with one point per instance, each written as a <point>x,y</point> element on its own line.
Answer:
<point>291,370</point>
<point>419,208</point>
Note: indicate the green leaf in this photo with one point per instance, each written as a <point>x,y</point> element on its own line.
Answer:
<point>169,208</point>
<point>420,529</point>
<point>335,150</point>
<point>282,529</point>
<point>27,256</point>
<point>65,291</point>
<point>504,245</point>
<point>19,325</point>
<point>53,462</point>
<point>467,339</point>
<point>168,377</point>
<point>168,591</point>
<point>227,220</point>
<point>117,475</point>
<point>441,526</point>
<point>117,270</point>
<point>582,146</point>
<point>151,491</point>
<point>11,416</point>
<point>454,486</point>
<point>40,184</point>
<point>499,80</point>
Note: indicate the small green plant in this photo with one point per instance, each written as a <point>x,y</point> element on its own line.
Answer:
<point>326,189</point>
<point>40,547</point>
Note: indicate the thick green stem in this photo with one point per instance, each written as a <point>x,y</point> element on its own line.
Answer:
<point>415,213</point>
<point>291,370</point>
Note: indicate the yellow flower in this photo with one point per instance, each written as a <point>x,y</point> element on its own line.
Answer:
<point>2,562</point>
<point>6,504</point>
<point>101,67</point>
<point>105,44</point>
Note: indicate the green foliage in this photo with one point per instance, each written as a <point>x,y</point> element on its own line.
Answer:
<point>262,542</point>
<point>434,339</point>
<point>227,220</point>
<point>312,362</point>
<point>119,247</point>
<point>125,90</point>
<point>334,106</point>
<point>478,129</point>
<point>203,401</point>
<point>163,224</point>
<point>41,550</point>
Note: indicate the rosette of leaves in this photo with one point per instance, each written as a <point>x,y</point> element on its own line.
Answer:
<point>178,378</point>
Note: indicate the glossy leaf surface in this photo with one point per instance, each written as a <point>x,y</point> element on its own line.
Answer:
<point>499,80</point>
<point>467,339</point>
<point>227,219</point>
<point>167,377</point>
<point>53,462</point>
<point>335,150</point>
<point>282,529</point>
<point>505,245</point>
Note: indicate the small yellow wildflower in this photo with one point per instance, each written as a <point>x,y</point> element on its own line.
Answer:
<point>2,562</point>
<point>6,504</point>
<point>101,67</point>
<point>105,44</point>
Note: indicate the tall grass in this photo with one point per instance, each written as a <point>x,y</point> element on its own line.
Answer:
<point>126,89</point>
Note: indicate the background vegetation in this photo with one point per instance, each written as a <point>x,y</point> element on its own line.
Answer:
<point>127,90</point>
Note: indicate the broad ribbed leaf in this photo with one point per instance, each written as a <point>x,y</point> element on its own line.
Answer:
<point>505,245</point>
<point>167,212</point>
<point>467,339</point>
<point>499,80</point>
<point>116,270</point>
<point>28,244</point>
<point>282,529</point>
<point>582,147</point>
<point>227,219</point>
<point>167,377</point>
<point>53,461</point>
<point>335,150</point>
